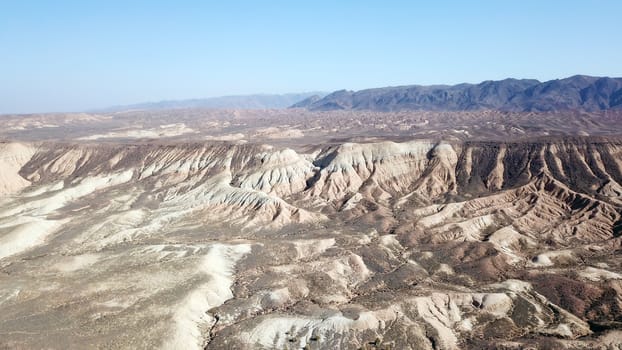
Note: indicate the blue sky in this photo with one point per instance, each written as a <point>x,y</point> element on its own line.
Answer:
<point>75,55</point>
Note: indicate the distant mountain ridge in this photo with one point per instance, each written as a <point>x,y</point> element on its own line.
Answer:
<point>257,101</point>
<point>578,92</point>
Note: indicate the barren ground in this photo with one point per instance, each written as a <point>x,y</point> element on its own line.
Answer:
<point>227,229</point>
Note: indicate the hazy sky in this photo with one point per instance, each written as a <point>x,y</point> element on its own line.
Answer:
<point>75,55</point>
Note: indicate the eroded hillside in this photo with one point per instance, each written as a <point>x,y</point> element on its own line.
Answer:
<point>419,244</point>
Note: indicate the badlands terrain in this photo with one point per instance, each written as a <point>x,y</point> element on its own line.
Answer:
<point>300,229</point>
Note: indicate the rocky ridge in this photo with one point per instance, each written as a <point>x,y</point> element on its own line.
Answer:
<point>454,244</point>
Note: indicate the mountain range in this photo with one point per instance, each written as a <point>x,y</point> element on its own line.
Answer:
<point>579,92</point>
<point>256,101</point>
